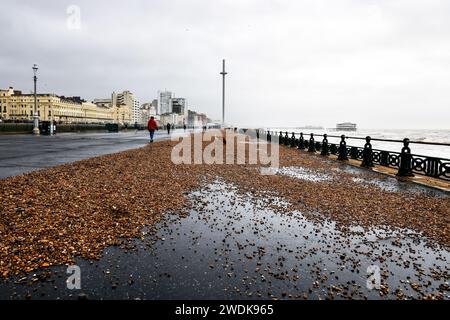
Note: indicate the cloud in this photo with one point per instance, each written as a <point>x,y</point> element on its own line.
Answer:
<point>378,63</point>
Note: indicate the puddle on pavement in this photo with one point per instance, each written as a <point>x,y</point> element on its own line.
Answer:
<point>349,169</point>
<point>233,246</point>
<point>297,172</point>
<point>390,186</point>
<point>384,182</point>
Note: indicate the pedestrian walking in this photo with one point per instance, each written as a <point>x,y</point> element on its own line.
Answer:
<point>184,126</point>
<point>168,128</point>
<point>152,126</point>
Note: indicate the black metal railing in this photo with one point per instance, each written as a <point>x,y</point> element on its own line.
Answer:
<point>407,163</point>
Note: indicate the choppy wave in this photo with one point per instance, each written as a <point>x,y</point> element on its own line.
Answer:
<point>440,136</point>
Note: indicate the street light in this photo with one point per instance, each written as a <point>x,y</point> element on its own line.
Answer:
<point>36,116</point>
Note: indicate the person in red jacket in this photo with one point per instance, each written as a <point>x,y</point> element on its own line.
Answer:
<point>152,126</point>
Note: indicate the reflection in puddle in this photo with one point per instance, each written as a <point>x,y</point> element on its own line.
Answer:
<point>349,169</point>
<point>391,184</point>
<point>384,185</point>
<point>286,254</point>
<point>237,246</point>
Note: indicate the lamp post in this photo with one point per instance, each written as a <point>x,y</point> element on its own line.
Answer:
<point>36,116</point>
<point>51,118</point>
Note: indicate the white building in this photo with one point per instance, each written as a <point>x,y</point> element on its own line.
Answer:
<point>148,110</point>
<point>173,118</point>
<point>346,126</point>
<point>136,115</point>
<point>165,102</point>
<point>127,98</point>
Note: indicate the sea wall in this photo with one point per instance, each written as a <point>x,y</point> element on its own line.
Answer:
<point>26,128</point>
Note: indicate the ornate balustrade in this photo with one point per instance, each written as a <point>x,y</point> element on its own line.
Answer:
<point>407,163</point>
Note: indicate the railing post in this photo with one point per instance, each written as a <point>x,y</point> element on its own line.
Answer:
<point>280,138</point>
<point>286,139</point>
<point>405,166</point>
<point>293,140</point>
<point>342,149</point>
<point>257,134</point>
<point>367,154</point>
<point>268,137</point>
<point>301,141</point>
<point>311,144</point>
<point>325,150</point>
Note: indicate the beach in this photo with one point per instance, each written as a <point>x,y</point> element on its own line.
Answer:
<point>161,230</point>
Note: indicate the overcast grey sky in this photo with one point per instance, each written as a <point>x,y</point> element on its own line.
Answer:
<point>381,64</point>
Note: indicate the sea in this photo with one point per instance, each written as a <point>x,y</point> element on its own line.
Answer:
<point>422,135</point>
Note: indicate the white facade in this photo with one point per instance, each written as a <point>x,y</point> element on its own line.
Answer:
<point>346,126</point>
<point>146,111</point>
<point>136,114</point>
<point>173,118</point>
<point>127,98</point>
<point>165,103</point>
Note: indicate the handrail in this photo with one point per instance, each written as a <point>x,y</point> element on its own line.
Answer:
<point>413,154</point>
<point>364,138</point>
<point>407,162</point>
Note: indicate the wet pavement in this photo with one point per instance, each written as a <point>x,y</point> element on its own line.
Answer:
<point>24,153</point>
<point>235,246</point>
<point>360,176</point>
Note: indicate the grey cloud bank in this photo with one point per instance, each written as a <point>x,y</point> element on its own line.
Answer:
<point>382,64</point>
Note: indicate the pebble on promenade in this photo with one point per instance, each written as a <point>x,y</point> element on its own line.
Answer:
<point>50,216</point>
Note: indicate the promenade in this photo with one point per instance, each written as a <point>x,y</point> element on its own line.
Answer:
<point>24,153</point>
<point>141,227</point>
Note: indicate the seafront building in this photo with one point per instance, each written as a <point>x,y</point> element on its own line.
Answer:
<point>127,98</point>
<point>346,126</point>
<point>173,118</point>
<point>173,110</point>
<point>122,108</point>
<point>164,102</point>
<point>177,115</point>
<point>166,109</point>
<point>178,105</point>
<point>197,119</point>
<point>148,110</point>
<point>17,106</point>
